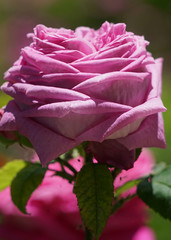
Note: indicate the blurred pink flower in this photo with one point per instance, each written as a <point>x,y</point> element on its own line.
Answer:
<point>55,216</point>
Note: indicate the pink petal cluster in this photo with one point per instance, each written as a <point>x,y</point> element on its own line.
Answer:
<point>55,215</point>
<point>86,85</point>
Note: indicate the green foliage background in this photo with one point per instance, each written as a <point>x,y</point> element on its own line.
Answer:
<point>150,18</point>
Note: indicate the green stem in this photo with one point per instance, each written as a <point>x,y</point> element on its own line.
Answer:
<point>63,174</point>
<point>66,164</point>
<point>88,234</point>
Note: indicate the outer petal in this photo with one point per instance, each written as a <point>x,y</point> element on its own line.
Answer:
<point>150,107</point>
<point>86,107</point>
<point>8,121</point>
<point>76,117</point>
<point>47,143</point>
<point>150,134</point>
<point>121,87</point>
<point>121,125</point>
<point>43,93</point>
<point>156,70</point>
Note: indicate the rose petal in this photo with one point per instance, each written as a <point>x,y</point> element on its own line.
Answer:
<point>53,145</point>
<point>44,63</point>
<point>112,76</point>
<point>156,70</point>
<point>102,65</point>
<point>117,51</point>
<point>150,134</point>
<point>80,45</point>
<point>118,87</point>
<point>63,80</point>
<point>46,93</point>
<point>8,121</point>
<point>66,55</point>
<point>86,107</point>
<point>148,108</point>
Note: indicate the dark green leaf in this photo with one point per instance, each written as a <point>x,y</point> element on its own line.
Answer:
<point>23,141</point>
<point>156,192</point>
<point>25,182</point>
<point>94,191</point>
<point>9,171</point>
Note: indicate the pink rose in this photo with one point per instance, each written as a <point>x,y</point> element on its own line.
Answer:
<point>86,85</point>
<point>55,215</point>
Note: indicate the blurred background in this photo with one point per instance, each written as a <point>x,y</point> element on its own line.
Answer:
<point>151,18</point>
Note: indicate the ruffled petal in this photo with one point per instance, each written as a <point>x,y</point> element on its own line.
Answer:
<point>120,87</point>
<point>45,63</point>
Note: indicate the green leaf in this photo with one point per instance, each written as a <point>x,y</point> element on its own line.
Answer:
<point>25,182</point>
<point>94,191</point>
<point>156,192</point>
<point>158,168</point>
<point>9,171</point>
<point>23,141</point>
<point>126,187</point>
<point>4,98</point>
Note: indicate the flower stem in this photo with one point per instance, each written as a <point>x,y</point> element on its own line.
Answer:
<point>66,164</point>
<point>88,154</point>
<point>63,174</point>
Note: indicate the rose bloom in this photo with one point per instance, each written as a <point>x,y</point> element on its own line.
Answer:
<point>55,214</point>
<point>91,85</point>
